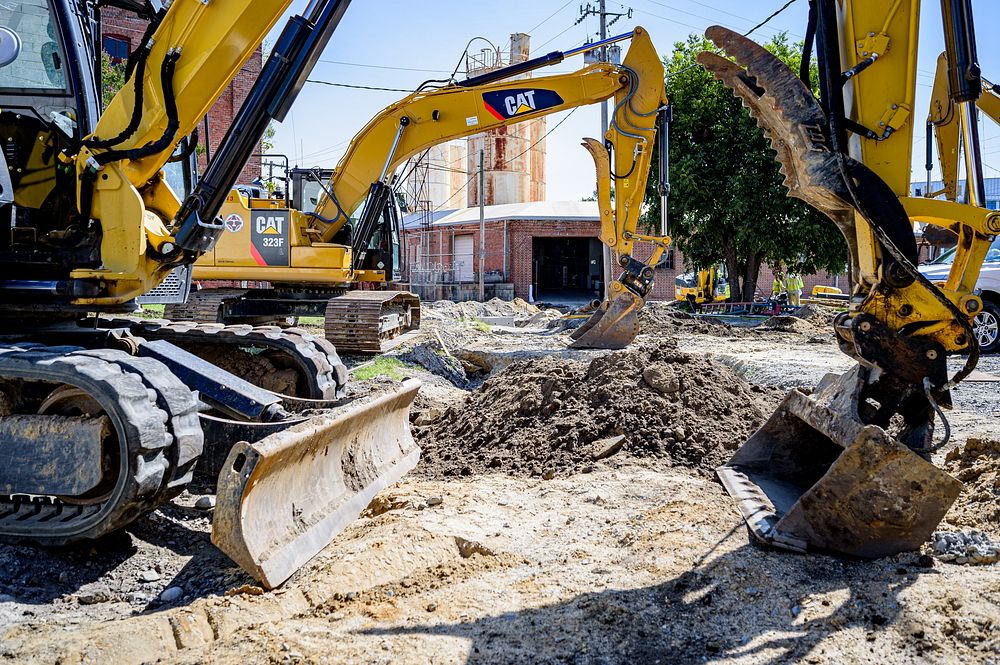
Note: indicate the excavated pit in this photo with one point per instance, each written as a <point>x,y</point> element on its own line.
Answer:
<point>548,416</point>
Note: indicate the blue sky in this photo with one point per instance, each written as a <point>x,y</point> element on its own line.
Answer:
<point>391,44</point>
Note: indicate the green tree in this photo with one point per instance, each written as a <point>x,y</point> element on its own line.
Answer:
<point>112,78</point>
<point>727,202</point>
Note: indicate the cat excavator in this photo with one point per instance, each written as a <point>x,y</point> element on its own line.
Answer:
<point>305,259</point>
<point>847,468</point>
<point>104,417</point>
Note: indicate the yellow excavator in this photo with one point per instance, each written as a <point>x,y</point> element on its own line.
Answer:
<point>307,257</point>
<point>102,419</point>
<point>708,285</point>
<point>846,468</point>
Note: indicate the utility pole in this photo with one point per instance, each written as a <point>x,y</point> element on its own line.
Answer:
<point>602,55</point>
<point>482,228</point>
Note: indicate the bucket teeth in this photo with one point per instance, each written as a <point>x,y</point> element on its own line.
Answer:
<point>790,117</point>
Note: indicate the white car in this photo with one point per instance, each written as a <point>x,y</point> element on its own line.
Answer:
<point>987,322</point>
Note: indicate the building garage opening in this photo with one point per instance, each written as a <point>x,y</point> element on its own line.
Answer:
<point>567,271</point>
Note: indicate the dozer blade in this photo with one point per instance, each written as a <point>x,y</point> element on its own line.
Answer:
<point>613,326</point>
<point>283,499</point>
<point>815,477</point>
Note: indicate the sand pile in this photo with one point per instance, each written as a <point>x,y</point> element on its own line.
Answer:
<point>446,309</point>
<point>549,415</point>
<point>977,464</point>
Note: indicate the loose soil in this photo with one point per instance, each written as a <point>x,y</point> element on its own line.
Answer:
<point>645,559</point>
<point>543,416</point>
<point>977,465</point>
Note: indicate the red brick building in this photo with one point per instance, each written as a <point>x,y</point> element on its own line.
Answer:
<point>546,250</point>
<point>121,33</point>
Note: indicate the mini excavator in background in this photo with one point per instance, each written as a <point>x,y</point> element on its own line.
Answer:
<point>104,419</point>
<point>847,468</point>
<point>308,258</point>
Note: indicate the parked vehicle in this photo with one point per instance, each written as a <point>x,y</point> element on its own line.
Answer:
<point>987,322</point>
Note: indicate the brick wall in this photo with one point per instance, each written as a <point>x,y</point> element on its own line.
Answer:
<point>126,26</point>
<point>522,232</point>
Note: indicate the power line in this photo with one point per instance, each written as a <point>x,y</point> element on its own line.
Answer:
<point>706,18</point>
<point>399,69</point>
<point>542,138</point>
<point>556,37</point>
<point>357,87</point>
<point>457,192</point>
<point>768,19</point>
<point>745,34</point>
<point>547,19</point>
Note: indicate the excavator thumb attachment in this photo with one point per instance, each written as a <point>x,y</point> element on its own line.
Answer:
<point>613,325</point>
<point>815,477</point>
<point>283,499</point>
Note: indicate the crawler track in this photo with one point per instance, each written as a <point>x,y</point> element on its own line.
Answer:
<point>258,354</point>
<point>157,437</point>
<point>355,321</point>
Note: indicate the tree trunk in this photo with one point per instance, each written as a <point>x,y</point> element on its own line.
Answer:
<point>733,268</point>
<point>750,277</point>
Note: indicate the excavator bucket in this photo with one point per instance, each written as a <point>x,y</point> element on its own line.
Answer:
<point>613,325</point>
<point>283,499</point>
<point>815,477</point>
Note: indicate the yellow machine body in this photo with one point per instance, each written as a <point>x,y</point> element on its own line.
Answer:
<point>846,467</point>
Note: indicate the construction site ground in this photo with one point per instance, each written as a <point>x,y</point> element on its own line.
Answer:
<point>532,532</point>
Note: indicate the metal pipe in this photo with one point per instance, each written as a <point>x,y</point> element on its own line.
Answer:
<point>598,44</point>
<point>975,186</point>
<point>482,225</point>
<point>929,162</point>
<point>403,122</point>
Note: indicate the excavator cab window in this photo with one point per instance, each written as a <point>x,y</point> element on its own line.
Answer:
<point>30,52</point>
<point>307,187</point>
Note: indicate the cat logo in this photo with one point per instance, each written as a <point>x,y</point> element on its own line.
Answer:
<point>269,225</point>
<point>506,104</point>
<point>523,102</point>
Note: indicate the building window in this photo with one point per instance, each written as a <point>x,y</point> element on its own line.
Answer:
<point>666,261</point>
<point>117,48</point>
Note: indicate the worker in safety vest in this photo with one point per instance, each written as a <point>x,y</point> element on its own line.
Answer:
<point>778,286</point>
<point>793,284</point>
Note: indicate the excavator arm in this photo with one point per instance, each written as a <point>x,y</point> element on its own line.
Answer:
<point>944,128</point>
<point>429,117</point>
<point>187,57</point>
<point>846,468</point>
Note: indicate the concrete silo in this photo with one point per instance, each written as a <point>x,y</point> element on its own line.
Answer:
<point>514,156</point>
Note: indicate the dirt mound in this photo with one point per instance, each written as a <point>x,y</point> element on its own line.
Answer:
<point>663,317</point>
<point>545,416</point>
<point>446,309</point>
<point>791,324</point>
<point>977,464</point>
<point>816,314</point>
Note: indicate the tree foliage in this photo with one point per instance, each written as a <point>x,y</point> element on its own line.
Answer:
<point>727,202</point>
<point>112,78</point>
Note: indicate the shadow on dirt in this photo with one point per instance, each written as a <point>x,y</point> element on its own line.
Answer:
<point>732,606</point>
<point>112,568</point>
